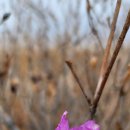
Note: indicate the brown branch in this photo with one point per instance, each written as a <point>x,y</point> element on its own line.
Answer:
<point>109,43</point>
<point>91,24</point>
<point>78,81</point>
<point>109,68</point>
<point>110,38</point>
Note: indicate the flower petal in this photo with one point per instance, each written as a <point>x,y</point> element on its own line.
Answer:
<point>63,125</point>
<point>89,125</point>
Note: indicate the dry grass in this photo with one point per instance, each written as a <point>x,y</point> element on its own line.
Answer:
<point>39,87</point>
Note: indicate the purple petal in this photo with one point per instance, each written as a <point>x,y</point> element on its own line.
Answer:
<point>89,125</point>
<point>63,125</point>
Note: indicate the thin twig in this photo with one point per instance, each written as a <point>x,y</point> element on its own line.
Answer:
<point>109,68</point>
<point>110,38</point>
<point>78,81</point>
<point>91,24</point>
<point>108,47</point>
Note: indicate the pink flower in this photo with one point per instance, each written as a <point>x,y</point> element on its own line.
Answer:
<point>64,125</point>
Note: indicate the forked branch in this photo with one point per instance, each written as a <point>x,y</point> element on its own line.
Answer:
<point>78,81</point>
<point>109,68</point>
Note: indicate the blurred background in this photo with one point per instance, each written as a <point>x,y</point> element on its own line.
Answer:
<point>36,86</point>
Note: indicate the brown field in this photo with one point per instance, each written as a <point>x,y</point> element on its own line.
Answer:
<point>37,87</point>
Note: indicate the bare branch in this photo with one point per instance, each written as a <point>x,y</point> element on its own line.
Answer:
<point>109,43</point>
<point>91,24</point>
<point>109,68</point>
<point>78,81</point>
<point>110,38</point>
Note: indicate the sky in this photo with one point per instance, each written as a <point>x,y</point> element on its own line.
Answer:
<point>53,5</point>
